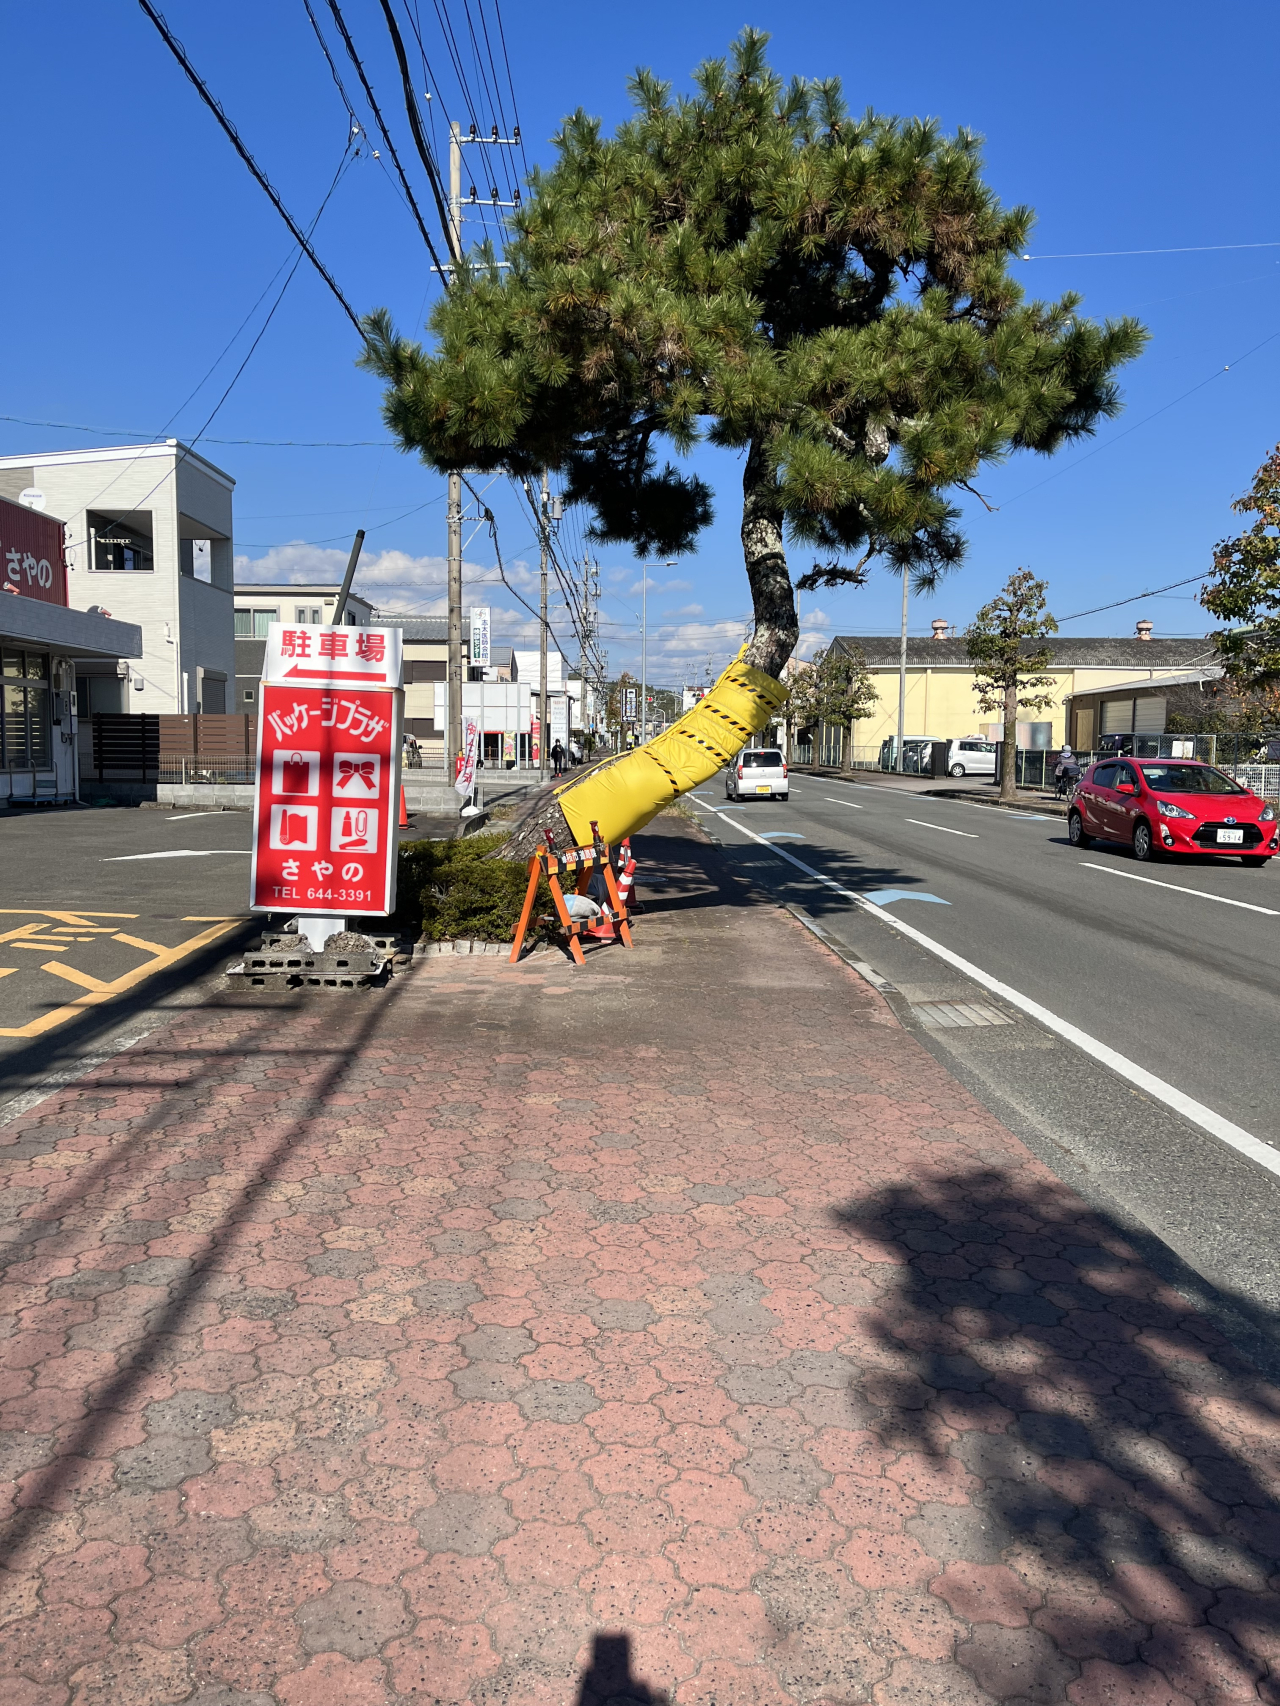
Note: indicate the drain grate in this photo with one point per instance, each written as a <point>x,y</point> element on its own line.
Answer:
<point>949,1015</point>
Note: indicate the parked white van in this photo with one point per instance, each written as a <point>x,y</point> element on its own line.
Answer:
<point>971,757</point>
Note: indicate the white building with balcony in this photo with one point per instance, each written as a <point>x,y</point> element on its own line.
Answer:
<point>148,542</point>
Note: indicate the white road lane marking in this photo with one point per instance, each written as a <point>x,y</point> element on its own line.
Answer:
<point>942,826</point>
<point>852,804</point>
<point>178,853</point>
<point>1013,816</point>
<point>1179,888</point>
<point>1225,1130</point>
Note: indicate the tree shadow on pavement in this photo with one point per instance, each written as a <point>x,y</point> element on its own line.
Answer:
<point>1098,1468</point>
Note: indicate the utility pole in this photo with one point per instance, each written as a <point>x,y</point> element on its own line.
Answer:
<point>902,679</point>
<point>644,641</point>
<point>544,721</point>
<point>453,738</point>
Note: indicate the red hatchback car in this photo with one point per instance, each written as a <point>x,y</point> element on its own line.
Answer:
<point>1169,806</point>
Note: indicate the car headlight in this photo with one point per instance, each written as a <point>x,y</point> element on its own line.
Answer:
<point>1267,815</point>
<point>1166,810</point>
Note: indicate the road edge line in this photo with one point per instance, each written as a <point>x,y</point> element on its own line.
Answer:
<point>1225,1130</point>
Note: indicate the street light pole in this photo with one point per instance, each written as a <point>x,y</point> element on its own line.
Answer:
<point>543,718</point>
<point>644,644</point>
<point>902,679</point>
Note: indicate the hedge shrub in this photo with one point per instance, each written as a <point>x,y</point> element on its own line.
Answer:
<point>452,889</point>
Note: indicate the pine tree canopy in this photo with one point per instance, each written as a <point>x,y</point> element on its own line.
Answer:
<point>751,266</point>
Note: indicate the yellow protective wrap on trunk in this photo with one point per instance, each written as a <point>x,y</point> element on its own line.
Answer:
<point>622,796</point>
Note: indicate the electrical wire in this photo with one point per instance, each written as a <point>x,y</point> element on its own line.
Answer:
<point>391,147</point>
<point>271,443</point>
<point>493,530</point>
<point>1164,409</point>
<point>333,69</point>
<point>1136,599</point>
<point>179,53</point>
<point>502,36</point>
<point>415,125</point>
<point>187,449</point>
<point>1112,254</point>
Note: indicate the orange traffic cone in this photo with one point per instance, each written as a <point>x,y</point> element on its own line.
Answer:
<point>404,816</point>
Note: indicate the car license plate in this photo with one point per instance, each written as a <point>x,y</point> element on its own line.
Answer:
<point>767,789</point>
<point>1230,837</point>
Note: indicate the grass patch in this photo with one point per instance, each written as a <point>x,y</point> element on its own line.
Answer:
<point>453,889</point>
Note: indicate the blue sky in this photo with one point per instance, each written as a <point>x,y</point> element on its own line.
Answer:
<point>143,245</point>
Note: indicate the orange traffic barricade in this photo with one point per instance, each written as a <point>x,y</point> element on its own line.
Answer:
<point>575,867</point>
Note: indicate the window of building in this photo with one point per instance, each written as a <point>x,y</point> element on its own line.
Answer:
<point>308,613</point>
<point>118,547</point>
<point>252,624</point>
<point>25,729</point>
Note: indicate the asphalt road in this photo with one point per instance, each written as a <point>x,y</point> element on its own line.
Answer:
<point>1161,970</point>
<point>99,905</point>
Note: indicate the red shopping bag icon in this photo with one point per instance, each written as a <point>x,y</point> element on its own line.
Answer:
<point>293,825</point>
<point>296,775</point>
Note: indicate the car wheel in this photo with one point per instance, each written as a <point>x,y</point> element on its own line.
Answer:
<point>1076,832</point>
<point>957,770</point>
<point>1144,845</point>
<point>1255,861</point>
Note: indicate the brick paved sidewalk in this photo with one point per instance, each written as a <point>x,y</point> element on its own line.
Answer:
<point>672,1329</point>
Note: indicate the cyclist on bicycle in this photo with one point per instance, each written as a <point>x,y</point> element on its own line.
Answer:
<point>1067,770</point>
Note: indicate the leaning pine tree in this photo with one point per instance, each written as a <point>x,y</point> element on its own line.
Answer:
<point>828,295</point>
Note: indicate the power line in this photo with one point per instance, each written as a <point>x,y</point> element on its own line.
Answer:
<point>493,530</point>
<point>179,53</point>
<point>415,124</point>
<point>271,443</point>
<point>333,69</point>
<point>386,137</point>
<point>1164,409</point>
<point>1136,599</point>
<point>1111,254</point>
<point>502,37</point>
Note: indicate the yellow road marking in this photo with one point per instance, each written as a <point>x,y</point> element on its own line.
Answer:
<point>42,947</point>
<point>80,918</point>
<point>139,942</point>
<point>7,971</point>
<point>22,930</point>
<point>97,991</point>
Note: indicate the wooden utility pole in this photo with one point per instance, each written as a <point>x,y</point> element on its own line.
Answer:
<point>453,737</point>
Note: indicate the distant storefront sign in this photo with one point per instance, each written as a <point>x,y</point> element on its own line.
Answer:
<point>480,627</point>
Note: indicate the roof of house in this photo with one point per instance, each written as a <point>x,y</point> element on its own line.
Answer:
<point>1066,652</point>
<point>433,628</point>
<point>1210,672</point>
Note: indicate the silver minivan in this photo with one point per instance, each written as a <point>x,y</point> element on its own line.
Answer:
<point>757,772</point>
<point>971,757</point>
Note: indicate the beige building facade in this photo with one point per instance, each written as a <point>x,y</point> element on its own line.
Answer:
<point>941,701</point>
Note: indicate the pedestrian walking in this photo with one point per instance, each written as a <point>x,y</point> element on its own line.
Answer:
<point>557,759</point>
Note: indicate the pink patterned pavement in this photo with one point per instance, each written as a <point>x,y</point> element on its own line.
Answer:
<point>672,1329</point>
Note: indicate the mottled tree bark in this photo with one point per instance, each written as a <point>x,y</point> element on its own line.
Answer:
<point>772,595</point>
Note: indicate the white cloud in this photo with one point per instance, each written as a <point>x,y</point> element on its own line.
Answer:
<point>685,610</point>
<point>392,580</point>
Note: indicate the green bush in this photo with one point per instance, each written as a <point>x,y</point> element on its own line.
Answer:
<point>451,889</point>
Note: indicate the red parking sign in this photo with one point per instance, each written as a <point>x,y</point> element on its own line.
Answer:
<point>324,829</point>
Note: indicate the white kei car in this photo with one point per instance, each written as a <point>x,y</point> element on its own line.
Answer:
<point>758,772</point>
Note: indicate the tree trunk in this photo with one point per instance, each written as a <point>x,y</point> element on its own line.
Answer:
<point>772,595</point>
<point>1009,763</point>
